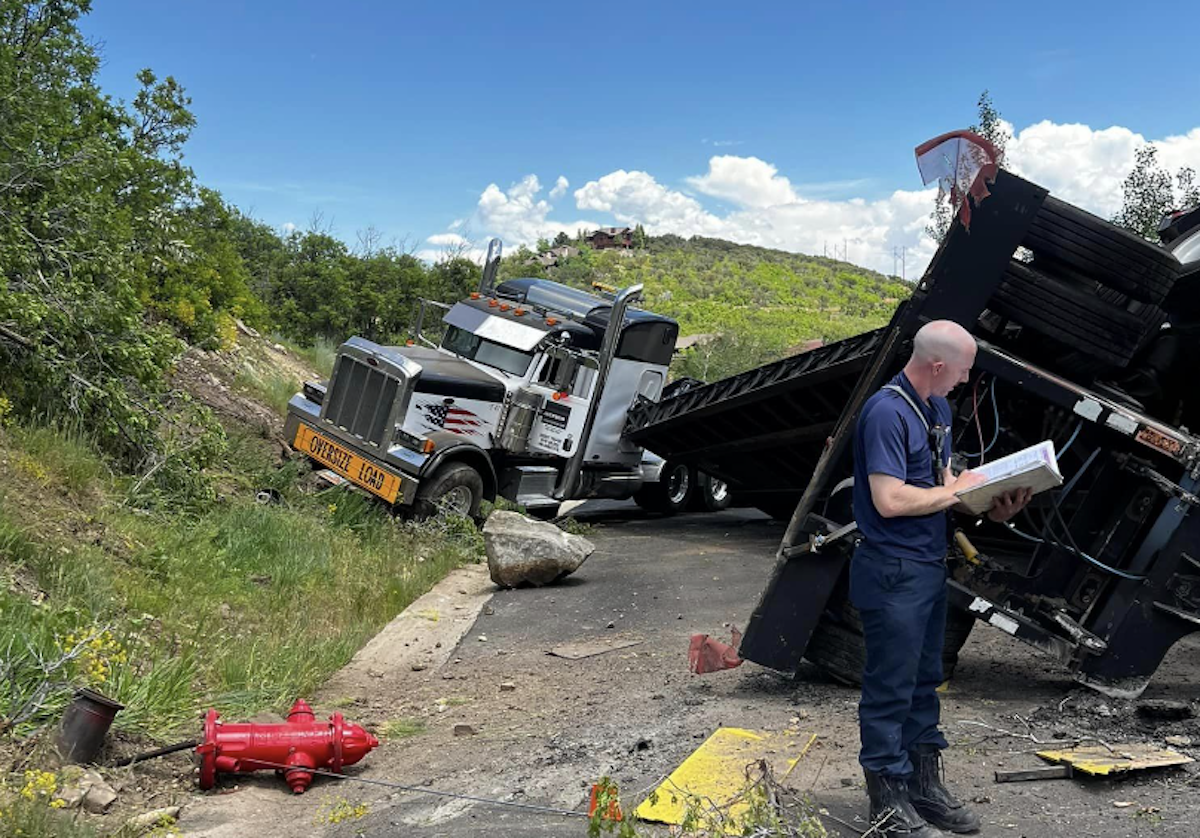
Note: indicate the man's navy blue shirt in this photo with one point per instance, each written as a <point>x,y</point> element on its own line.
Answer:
<point>890,439</point>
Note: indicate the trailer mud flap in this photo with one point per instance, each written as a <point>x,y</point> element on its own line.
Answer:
<point>783,621</point>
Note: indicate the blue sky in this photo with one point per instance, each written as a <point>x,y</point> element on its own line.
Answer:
<point>400,115</point>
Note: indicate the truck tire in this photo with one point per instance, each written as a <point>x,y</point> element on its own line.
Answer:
<point>455,488</point>
<point>836,644</point>
<point>712,495</point>
<point>958,628</point>
<point>1075,316</point>
<point>671,493</point>
<point>1112,256</point>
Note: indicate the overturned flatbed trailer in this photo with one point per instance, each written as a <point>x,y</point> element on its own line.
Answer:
<point>1086,337</point>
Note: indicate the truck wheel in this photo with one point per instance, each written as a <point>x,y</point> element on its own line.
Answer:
<point>958,628</point>
<point>713,494</point>
<point>671,493</point>
<point>1073,315</point>
<point>454,489</point>
<point>1112,256</point>
<point>838,650</point>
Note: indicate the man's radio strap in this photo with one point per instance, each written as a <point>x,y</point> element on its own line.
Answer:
<point>937,441</point>
<point>896,388</point>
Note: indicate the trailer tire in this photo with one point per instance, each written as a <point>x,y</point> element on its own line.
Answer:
<point>455,488</point>
<point>838,650</point>
<point>671,493</point>
<point>958,628</point>
<point>1108,254</point>
<point>712,495</point>
<point>1075,316</point>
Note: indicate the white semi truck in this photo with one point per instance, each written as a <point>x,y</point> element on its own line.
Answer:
<point>524,397</point>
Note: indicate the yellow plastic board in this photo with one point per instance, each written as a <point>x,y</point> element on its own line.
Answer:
<point>1099,760</point>
<point>716,771</point>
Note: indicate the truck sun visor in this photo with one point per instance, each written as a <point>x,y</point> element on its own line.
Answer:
<point>498,329</point>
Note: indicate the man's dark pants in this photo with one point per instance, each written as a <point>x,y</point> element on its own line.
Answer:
<point>903,608</point>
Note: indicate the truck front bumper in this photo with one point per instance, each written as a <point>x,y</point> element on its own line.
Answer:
<point>366,466</point>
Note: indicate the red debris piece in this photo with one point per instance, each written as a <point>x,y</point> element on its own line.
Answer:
<point>707,654</point>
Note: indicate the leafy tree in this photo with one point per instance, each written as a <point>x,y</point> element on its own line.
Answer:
<point>1149,193</point>
<point>92,198</point>
<point>562,239</point>
<point>991,127</point>
<point>639,239</point>
<point>209,285</point>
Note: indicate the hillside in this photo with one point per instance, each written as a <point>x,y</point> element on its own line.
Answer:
<point>763,303</point>
<point>242,602</point>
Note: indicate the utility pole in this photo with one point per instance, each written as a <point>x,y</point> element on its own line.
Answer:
<point>845,251</point>
<point>903,253</point>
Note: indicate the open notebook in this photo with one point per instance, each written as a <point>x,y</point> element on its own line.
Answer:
<point>1035,467</point>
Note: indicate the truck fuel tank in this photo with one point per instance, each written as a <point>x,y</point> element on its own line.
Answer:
<point>518,421</point>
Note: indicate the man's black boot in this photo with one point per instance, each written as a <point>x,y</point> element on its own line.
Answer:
<point>893,811</point>
<point>932,800</point>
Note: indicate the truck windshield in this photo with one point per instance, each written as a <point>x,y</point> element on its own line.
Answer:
<point>474,348</point>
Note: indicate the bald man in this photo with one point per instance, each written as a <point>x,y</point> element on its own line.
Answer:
<point>903,487</point>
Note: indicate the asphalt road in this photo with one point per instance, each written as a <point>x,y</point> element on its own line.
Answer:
<point>634,714</point>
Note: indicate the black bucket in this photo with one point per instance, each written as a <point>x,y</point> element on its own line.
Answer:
<point>85,723</point>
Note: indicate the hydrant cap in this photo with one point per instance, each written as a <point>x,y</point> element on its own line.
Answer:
<point>301,712</point>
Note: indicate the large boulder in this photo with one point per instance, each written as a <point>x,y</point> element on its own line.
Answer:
<point>523,551</point>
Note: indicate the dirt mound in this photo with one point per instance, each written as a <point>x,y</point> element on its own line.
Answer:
<point>246,386</point>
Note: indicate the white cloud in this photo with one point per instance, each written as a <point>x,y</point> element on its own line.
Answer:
<point>517,215</point>
<point>637,198</point>
<point>447,240</point>
<point>288,228</point>
<point>1077,163</point>
<point>746,181</point>
<point>1087,166</point>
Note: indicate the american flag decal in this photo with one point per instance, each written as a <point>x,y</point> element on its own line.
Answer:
<point>456,419</point>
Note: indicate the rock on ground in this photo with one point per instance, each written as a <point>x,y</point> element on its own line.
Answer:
<point>86,788</point>
<point>524,551</point>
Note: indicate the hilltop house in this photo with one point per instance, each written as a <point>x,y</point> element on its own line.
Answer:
<point>550,258</point>
<point>611,237</point>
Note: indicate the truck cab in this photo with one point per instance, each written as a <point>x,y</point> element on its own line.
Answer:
<point>525,396</point>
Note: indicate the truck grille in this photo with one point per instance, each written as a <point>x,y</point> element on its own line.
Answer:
<point>360,400</point>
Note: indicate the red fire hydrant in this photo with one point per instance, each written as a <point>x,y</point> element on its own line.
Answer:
<point>300,745</point>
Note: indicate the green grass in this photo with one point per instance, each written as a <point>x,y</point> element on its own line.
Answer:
<point>61,455</point>
<point>320,355</point>
<point>272,387</point>
<point>401,728</point>
<point>244,607</point>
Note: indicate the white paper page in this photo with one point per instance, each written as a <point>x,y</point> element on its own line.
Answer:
<point>1021,461</point>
